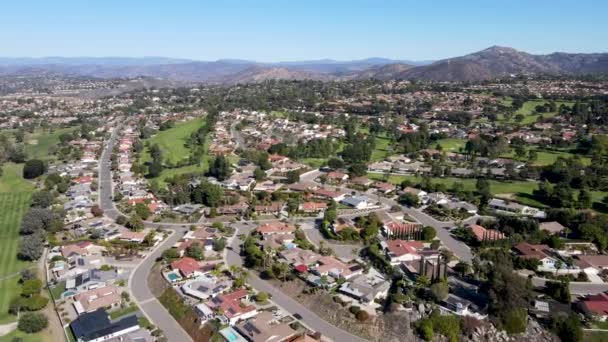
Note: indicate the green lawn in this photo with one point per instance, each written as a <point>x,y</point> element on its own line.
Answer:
<point>172,143</point>
<point>314,162</point>
<point>39,143</point>
<point>496,187</point>
<point>42,336</point>
<point>124,311</point>
<point>382,149</point>
<point>15,194</point>
<point>529,113</point>
<point>451,144</point>
<point>544,157</point>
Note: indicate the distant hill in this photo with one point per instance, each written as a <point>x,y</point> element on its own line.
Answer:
<point>499,61</point>
<point>490,63</point>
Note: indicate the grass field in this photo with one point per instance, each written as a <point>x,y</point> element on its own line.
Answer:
<point>548,157</point>
<point>15,194</point>
<point>451,144</point>
<point>37,144</point>
<point>42,336</point>
<point>496,187</point>
<point>529,113</point>
<point>382,149</point>
<point>172,143</point>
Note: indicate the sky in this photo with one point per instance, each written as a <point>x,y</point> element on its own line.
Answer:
<point>287,30</point>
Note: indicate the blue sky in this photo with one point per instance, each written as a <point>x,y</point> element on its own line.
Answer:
<point>297,30</point>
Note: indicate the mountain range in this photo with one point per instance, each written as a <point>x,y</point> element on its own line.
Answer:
<point>491,63</point>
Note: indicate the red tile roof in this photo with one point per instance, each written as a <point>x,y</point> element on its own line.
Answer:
<point>186,266</point>
<point>530,251</point>
<point>276,227</point>
<point>402,247</point>
<point>483,234</point>
<point>597,304</point>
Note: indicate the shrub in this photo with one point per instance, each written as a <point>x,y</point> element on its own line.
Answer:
<point>32,322</point>
<point>362,316</point>
<point>515,321</point>
<point>354,309</point>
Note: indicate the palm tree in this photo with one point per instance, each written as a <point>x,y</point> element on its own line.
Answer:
<point>558,265</point>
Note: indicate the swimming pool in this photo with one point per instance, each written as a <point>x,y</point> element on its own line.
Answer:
<point>173,276</point>
<point>67,294</point>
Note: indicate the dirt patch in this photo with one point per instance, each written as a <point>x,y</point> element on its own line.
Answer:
<point>156,283</point>
<point>180,310</point>
<point>380,327</point>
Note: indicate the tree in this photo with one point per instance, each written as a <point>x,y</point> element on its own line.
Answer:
<point>261,297</point>
<point>31,247</point>
<point>428,233</point>
<point>31,287</point>
<point>121,220</point>
<point>195,251</point>
<point>32,322</point>
<point>42,199</point>
<point>142,210</point>
<point>135,223</point>
<point>26,275</point>
<point>410,200</point>
<point>335,163</point>
<point>170,254</point>
<point>439,290</point>
<point>584,199</point>
<point>462,268</point>
<point>293,176</point>
<point>96,210</point>
<point>259,174</point>
<point>568,328</point>
<point>33,168</point>
<point>219,244</point>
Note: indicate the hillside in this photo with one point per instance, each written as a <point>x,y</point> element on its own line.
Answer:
<point>490,63</point>
<point>499,61</point>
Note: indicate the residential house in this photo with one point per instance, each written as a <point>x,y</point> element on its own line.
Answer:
<point>187,267</point>
<point>232,307</point>
<point>328,265</point>
<point>96,327</point>
<point>366,287</point>
<point>595,306</point>
<point>265,327</point>
<point>276,228</point>
<point>482,234</point>
<point>593,264</point>
<point>542,253</point>
<point>553,227</point>
<point>313,207</point>
<point>100,298</point>
<point>205,287</point>
<point>358,202</point>
<point>398,251</point>
<point>337,176</point>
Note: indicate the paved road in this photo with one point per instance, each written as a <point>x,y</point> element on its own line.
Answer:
<point>308,317</point>
<point>138,280</point>
<point>150,306</point>
<point>344,251</point>
<point>460,249</point>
